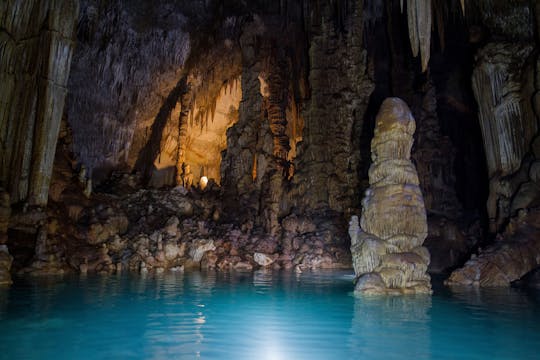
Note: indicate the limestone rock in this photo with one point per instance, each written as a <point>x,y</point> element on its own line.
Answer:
<point>5,265</point>
<point>101,231</point>
<point>263,259</point>
<point>298,224</point>
<point>387,251</point>
<point>172,251</point>
<point>171,227</point>
<point>516,253</point>
<point>199,247</point>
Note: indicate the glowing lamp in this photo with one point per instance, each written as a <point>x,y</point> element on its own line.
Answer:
<point>203,182</point>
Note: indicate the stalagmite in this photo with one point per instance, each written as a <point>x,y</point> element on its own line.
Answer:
<point>388,255</point>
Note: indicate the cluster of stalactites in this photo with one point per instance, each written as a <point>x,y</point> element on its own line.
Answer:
<point>419,19</point>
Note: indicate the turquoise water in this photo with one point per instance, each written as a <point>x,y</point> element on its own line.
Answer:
<point>258,316</point>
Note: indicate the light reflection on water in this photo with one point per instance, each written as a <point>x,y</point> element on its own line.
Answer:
<point>260,315</point>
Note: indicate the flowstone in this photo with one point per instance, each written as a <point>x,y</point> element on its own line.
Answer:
<point>386,246</point>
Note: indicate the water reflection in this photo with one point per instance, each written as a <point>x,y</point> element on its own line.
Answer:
<point>391,327</point>
<point>258,315</point>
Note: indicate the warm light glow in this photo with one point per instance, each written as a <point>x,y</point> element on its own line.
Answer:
<point>203,182</point>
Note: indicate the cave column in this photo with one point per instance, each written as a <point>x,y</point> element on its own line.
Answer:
<point>276,99</point>
<point>36,59</point>
<point>326,165</point>
<point>185,108</point>
<point>239,166</point>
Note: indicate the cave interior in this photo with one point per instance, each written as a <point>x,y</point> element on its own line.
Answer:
<point>237,135</point>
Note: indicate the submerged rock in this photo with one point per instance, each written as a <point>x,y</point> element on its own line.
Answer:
<point>386,246</point>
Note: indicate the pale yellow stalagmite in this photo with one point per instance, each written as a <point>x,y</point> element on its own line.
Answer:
<point>386,245</point>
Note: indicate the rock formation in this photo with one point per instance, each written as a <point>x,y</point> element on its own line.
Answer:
<point>36,47</point>
<point>513,255</point>
<point>5,258</point>
<point>388,256</point>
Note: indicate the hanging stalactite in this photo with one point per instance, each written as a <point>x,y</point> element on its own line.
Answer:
<point>419,21</point>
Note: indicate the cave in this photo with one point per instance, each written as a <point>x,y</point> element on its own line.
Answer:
<point>270,179</point>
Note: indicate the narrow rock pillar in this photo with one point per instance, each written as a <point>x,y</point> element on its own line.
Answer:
<point>386,245</point>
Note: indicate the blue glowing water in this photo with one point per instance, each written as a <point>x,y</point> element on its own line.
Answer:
<point>259,316</point>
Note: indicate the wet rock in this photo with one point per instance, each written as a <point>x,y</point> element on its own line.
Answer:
<point>100,232</point>
<point>49,255</point>
<point>173,251</point>
<point>199,247</point>
<point>263,259</point>
<point>513,255</point>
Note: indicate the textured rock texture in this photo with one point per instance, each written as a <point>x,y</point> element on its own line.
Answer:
<point>514,254</point>
<point>129,58</point>
<point>497,82</point>
<point>36,48</point>
<point>5,258</point>
<point>169,230</point>
<point>328,157</point>
<point>388,255</point>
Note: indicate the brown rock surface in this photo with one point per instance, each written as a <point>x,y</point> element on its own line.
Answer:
<point>513,255</point>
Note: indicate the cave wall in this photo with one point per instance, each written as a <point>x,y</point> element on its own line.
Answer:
<point>328,156</point>
<point>129,58</point>
<point>503,84</point>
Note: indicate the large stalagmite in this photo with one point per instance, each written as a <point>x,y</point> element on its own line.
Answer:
<point>388,255</point>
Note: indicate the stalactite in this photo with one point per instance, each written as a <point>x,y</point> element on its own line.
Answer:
<point>419,20</point>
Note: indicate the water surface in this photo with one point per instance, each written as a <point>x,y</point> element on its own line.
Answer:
<point>261,315</point>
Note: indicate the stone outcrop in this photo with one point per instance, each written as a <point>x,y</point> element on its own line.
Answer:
<point>388,255</point>
<point>506,119</point>
<point>150,231</point>
<point>515,253</point>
